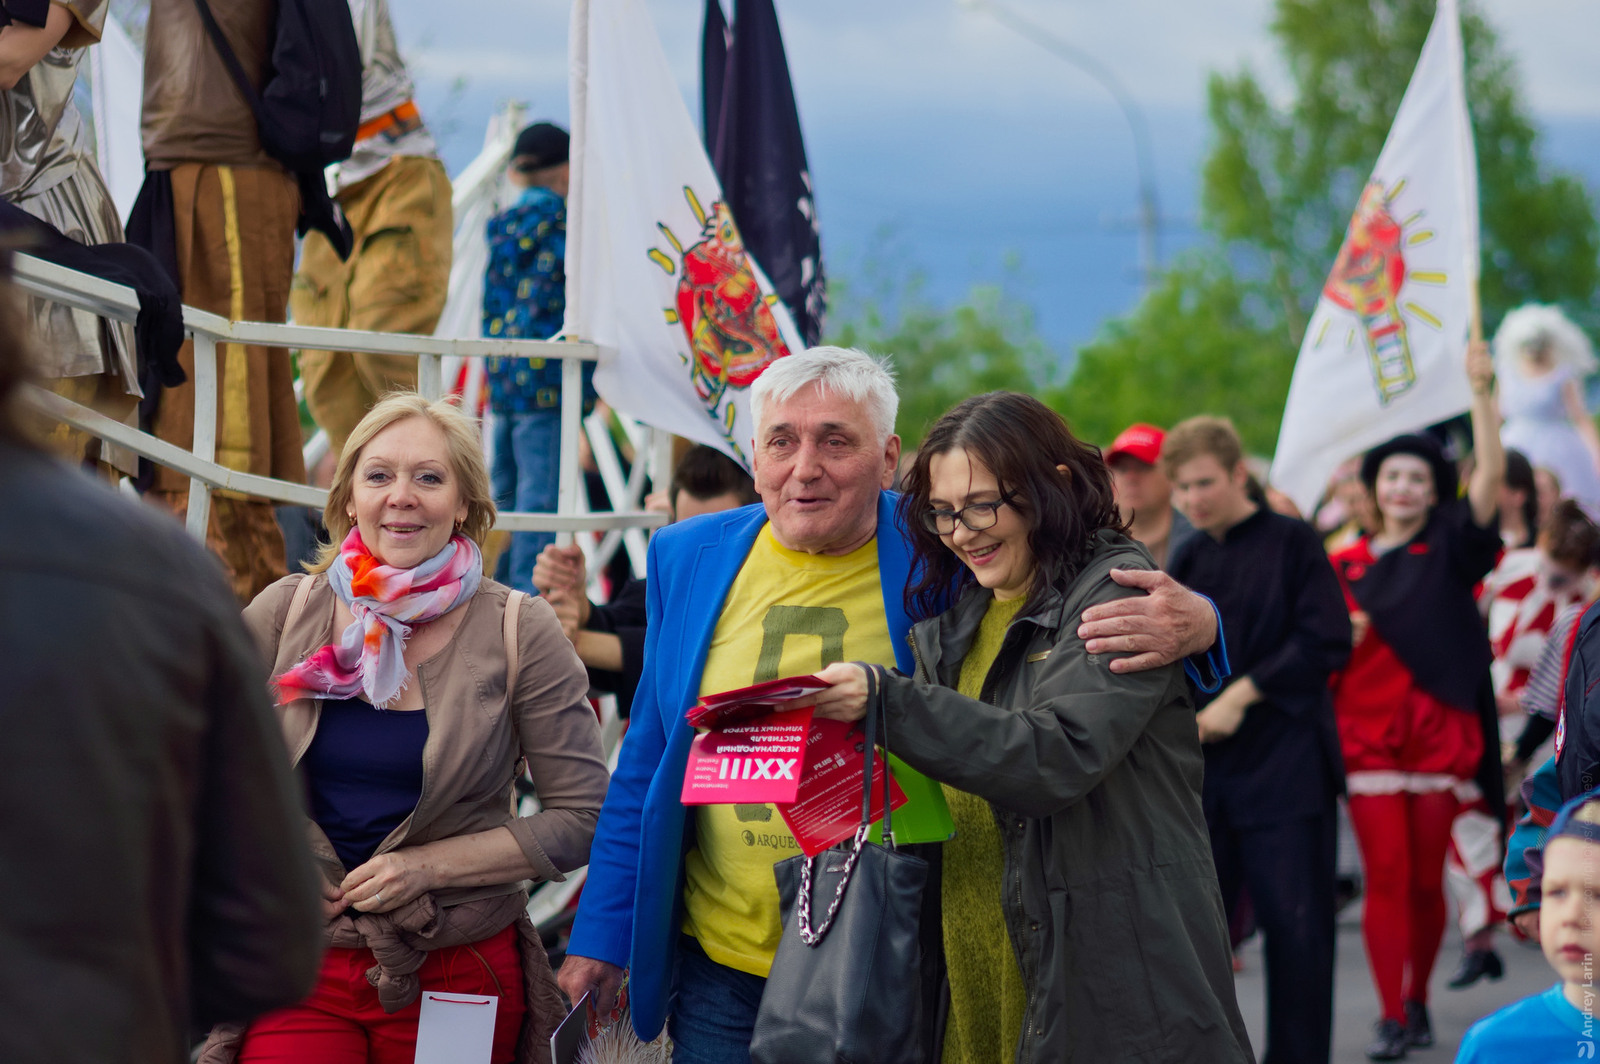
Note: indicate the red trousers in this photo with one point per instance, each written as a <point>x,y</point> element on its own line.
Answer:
<point>1403,838</point>
<point>342,1022</point>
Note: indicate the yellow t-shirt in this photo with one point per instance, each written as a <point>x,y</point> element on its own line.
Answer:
<point>787,614</point>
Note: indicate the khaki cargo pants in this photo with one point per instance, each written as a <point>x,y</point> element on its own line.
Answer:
<point>395,281</point>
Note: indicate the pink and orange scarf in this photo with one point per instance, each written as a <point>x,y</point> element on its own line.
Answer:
<point>369,658</point>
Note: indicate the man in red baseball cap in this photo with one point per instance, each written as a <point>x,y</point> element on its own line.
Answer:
<point>1144,495</point>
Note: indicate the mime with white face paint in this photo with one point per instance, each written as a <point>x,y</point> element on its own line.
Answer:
<point>1415,707</point>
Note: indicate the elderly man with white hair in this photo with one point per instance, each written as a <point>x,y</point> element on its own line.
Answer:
<point>736,598</point>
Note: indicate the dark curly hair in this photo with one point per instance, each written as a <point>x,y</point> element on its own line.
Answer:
<point>1021,441</point>
<point>1570,538</point>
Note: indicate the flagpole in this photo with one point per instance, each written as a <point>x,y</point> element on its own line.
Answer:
<point>1475,321</point>
<point>1467,168</point>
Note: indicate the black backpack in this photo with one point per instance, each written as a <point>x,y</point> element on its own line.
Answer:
<point>309,108</point>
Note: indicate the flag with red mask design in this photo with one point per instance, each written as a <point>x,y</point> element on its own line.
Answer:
<point>657,272</point>
<point>1383,353</point>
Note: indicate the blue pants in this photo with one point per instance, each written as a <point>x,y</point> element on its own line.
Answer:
<point>713,1011</point>
<point>525,476</point>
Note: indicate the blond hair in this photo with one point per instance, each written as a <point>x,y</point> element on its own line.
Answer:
<point>1198,436</point>
<point>466,462</point>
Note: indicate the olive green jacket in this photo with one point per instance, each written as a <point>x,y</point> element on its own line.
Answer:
<point>1109,892</point>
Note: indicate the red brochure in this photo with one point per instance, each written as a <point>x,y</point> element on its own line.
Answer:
<point>753,762</point>
<point>713,711</point>
<point>827,807</point>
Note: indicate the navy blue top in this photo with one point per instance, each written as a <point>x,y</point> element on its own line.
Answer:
<point>364,774</point>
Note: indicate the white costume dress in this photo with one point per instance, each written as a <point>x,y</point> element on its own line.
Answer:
<point>1537,425</point>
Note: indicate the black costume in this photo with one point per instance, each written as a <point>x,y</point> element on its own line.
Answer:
<point>623,617</point>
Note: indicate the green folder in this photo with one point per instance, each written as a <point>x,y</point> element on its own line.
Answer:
<point>925,817</point>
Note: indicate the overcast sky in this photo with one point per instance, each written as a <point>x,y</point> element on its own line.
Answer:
<point>926,51</point>
<point>967,141</point>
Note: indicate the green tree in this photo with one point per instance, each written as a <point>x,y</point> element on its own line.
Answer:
<point>1200,341</point>
<point>1277,192</point>
<point>941,355</point>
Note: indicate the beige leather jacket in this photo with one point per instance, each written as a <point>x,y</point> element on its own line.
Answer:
<point>475,739</point>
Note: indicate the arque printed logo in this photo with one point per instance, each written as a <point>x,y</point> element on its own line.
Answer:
<point>768,839</point>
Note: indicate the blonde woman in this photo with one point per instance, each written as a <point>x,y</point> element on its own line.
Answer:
<point>411,689</point>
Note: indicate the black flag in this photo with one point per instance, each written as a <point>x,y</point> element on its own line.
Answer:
<point>714,41</point>
<point>752,131</point>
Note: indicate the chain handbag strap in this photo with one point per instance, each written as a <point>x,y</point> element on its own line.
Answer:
<point>808,935</point>
<point>803,903</point>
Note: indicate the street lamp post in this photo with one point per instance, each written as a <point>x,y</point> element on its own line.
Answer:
<point>1149,212</point>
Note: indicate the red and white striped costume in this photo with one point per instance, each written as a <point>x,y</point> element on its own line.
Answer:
<point>1521,607</point>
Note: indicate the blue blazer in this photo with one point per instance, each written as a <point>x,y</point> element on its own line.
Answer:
<point>632,903</point>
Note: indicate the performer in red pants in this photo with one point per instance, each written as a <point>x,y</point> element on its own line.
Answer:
<point>1414,707</point>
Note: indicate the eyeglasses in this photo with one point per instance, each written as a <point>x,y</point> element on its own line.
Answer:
<point>976,516</point>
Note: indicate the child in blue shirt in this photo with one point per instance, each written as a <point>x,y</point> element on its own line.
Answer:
<point>1559,1024</point>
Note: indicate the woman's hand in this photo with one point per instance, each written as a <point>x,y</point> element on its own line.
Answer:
<point>1359,623</point>
<point>845,699</point>
<point>387,882</point>
<point>1488,454</point>
<point>1480,367</point>
<point>333,902</point>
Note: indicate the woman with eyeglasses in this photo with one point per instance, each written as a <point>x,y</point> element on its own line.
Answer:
<point>1080,910</point>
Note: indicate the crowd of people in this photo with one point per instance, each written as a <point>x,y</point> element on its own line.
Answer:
<point>1148,689</point>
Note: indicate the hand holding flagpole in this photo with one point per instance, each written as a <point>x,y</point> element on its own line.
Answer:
<point>1489,455</point>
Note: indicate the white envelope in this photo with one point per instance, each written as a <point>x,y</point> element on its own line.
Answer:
<point>456,1028</point>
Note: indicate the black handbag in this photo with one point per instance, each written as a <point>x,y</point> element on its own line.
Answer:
<point>845,986</point>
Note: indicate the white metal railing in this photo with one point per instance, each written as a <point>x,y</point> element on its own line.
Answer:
<point>118,302</point>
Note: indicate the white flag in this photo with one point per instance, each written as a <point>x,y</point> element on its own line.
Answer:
<point>656,270</point>
<point>1384,352</point>
<point>117,91</point>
